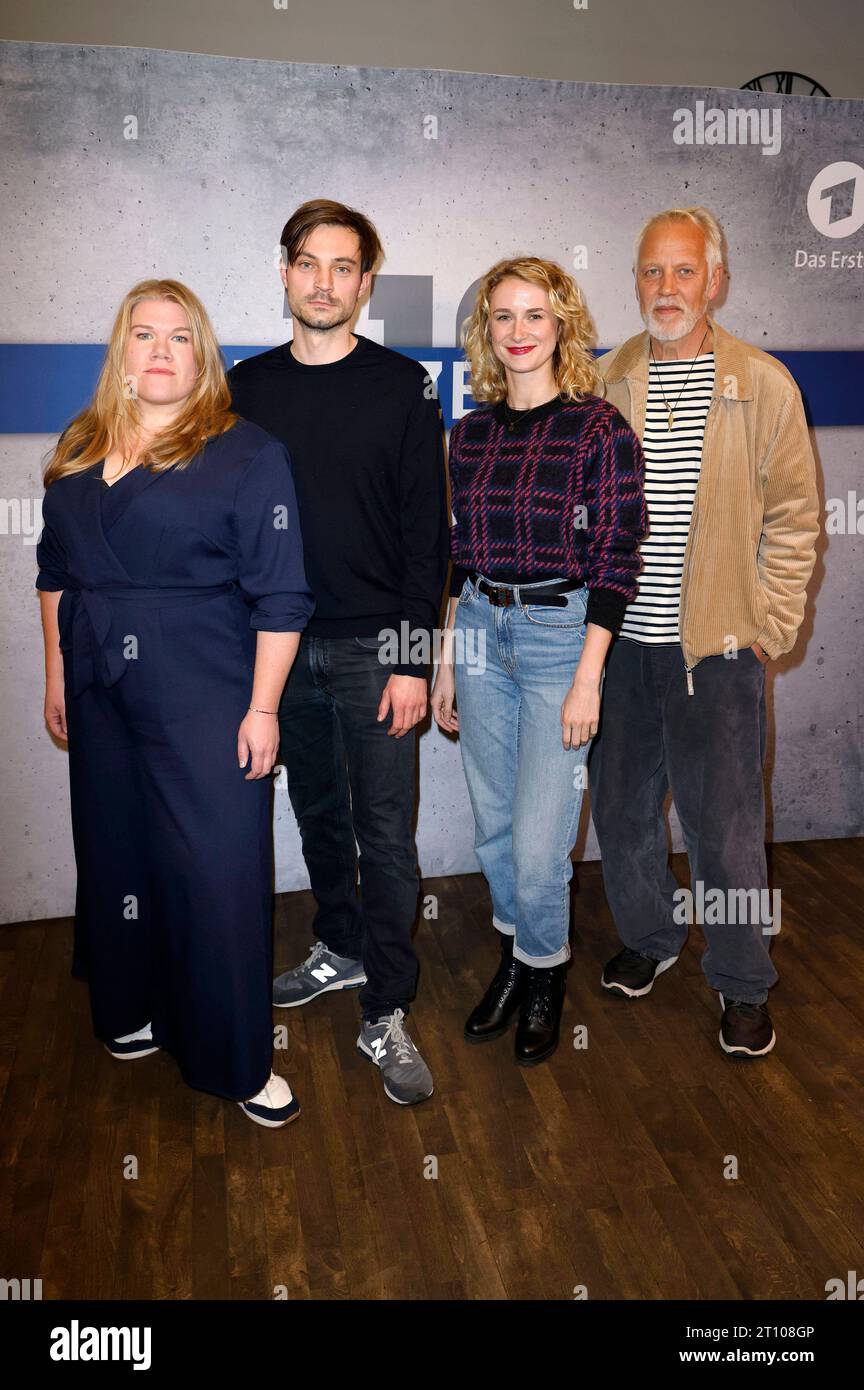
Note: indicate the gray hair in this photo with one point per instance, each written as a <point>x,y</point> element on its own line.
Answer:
<point>701,218</point>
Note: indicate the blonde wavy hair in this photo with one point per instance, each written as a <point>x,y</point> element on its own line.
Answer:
<point>113,418</point>
<point>573,363</point>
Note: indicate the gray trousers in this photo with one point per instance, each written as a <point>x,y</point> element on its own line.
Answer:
<point>709,749</point>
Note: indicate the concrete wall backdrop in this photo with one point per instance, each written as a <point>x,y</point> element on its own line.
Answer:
<point>123,162</point>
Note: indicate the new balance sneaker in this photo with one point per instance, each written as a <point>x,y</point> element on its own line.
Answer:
<point>322,970</point>
<point>746,1029</point>
<point>407,1078</point>
<point>632,974</point>
<point>138,1044</point>
<point>273,1106</point>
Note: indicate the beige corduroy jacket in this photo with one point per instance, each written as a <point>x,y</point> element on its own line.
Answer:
<point>751,545</point>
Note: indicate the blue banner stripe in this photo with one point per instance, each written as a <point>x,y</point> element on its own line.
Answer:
<point>43,385</point>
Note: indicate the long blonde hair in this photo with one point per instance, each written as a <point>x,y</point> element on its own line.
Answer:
<point>573,364</point>
<point>113,418</point>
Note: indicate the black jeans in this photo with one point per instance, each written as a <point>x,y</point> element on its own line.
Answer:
<point>709,748</point>
<point>351,784</point>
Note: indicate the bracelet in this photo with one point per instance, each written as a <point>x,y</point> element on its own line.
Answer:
<point>263,711</point>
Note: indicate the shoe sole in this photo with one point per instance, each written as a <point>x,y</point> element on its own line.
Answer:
<point>361,1047</point>
<point>639,993</point>
<point>325,989</point>
<point>747,1051</point>
<point>269,1124</point>
<point>130,1056</point>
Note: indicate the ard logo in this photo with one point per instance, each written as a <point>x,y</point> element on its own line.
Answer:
<point>835,200</point>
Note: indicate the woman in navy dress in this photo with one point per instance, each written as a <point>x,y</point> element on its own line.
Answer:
<point>173,595</point>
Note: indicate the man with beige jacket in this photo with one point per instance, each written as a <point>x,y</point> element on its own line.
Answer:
<point>733,517</point>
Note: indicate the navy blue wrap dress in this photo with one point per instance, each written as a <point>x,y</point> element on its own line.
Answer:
<point>166,579</point>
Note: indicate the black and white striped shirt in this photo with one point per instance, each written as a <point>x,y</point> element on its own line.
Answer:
<point>672,461</point>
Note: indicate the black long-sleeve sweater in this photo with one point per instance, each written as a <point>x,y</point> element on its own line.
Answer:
<point>365,439</point>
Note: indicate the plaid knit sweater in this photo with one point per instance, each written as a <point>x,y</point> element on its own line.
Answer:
<point>560,497</point>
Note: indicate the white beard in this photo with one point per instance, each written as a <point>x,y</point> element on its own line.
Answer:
<point>665,332</point>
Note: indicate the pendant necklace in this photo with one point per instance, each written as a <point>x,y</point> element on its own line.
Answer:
<point>672,408</point>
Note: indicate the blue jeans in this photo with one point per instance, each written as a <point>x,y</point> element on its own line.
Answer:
<point>525,787</point>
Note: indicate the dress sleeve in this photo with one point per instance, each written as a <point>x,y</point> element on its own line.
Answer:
<point>270,551</point>
<point>51,559</point>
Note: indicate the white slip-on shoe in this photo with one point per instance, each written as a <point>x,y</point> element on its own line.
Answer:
<point>138,1044</point>
<point>274,1105</point>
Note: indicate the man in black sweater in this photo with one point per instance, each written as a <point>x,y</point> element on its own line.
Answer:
<point>363,429</point>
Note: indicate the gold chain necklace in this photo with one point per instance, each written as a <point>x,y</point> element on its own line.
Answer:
<point>671,409</point>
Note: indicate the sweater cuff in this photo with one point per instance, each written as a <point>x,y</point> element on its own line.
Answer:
<point>606,608</point>
<point>769,644</point>
<point>419,653</point>
<point>420,672</point>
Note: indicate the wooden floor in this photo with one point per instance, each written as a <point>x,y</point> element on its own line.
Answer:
<point>603,1168</point>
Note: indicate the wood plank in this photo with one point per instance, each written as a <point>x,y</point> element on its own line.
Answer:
<point>604,1167</point>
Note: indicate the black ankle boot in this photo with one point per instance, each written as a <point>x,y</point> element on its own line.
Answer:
<point>540,1015</point>
<point>492,1015</point>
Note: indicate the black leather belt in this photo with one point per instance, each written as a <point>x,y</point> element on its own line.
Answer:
<point>502,595</point>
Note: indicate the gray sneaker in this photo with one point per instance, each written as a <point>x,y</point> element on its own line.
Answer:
<point>322,970</point>
<point>407,1078</point>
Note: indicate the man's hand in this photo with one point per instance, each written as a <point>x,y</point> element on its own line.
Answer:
<point>762,655</point>
<point>405,696</point>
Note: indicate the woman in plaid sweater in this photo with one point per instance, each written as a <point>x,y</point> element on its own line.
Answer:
<point>549,508</point>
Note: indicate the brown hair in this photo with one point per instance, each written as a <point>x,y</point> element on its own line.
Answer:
<point>322,212</point>
<point>113,417</point>
<point>573,363</point>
